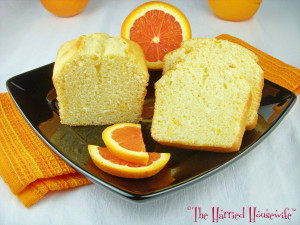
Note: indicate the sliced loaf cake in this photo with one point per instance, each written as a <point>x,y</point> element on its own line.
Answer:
<point>232,54</point>
<point>100,80</point>
<point>202,105</point>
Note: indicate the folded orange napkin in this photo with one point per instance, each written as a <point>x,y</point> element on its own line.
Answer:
<point>274,69</point>
<point>29,167</point>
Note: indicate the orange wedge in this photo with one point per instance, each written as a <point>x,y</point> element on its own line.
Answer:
<point>158,28</point>
<point>113,165</point>
<point>125,140</point>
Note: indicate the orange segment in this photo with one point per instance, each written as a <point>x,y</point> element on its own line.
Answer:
<point>113,165</point>
<point>125,141</point>
<point>158,28</point>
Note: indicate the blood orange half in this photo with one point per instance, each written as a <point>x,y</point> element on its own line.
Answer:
<point>158,28</point>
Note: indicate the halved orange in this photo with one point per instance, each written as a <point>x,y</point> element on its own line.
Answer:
<point>113,165</point>
<point>158,28</point>
<point>125,140</point>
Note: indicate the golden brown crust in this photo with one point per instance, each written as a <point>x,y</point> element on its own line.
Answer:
<point>99,124</point>
<point>202,148</point>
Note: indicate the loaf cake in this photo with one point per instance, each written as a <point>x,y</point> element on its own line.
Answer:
<point>233,54</point>
<point>201,103</point>
<point>100,80</point>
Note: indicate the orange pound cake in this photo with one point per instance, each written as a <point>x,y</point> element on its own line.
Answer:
<point>237,56</point>
<point>100,80</point>
<point>202,105</point>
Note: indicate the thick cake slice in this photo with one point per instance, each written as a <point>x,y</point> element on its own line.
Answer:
<point>100,80</point>
<point>241,58</point>
<point>201,104</point>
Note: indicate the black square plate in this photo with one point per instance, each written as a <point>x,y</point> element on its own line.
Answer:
<point>34,95</point>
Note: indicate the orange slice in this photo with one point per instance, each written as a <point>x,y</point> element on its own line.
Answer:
<point>158,28</point>
<point>113,165</point>
<point>125,140</point>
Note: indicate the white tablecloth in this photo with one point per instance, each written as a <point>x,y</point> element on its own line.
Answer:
<point>267,178</point>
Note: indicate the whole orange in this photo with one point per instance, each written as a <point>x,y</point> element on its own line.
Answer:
<point>234,10</point>
<point>64,8</point>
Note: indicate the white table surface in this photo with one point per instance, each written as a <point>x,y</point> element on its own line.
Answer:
<point>268,177</point>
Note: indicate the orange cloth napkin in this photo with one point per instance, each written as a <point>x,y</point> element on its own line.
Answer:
<point>274,69</point>
<point>29,167</point>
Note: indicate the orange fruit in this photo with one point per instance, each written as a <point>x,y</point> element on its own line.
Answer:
<point>113,165</point>
<point>64,8</point>
<point>158,28</point>
<point>234,10</point>
<point>125,140</point>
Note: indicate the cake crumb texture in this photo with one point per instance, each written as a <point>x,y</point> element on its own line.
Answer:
<point>233,54</point>
<point>201,103</point>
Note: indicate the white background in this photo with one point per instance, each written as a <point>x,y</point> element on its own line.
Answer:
<point>268,177</point>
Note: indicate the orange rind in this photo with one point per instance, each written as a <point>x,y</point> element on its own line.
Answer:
<point>113,165</point>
